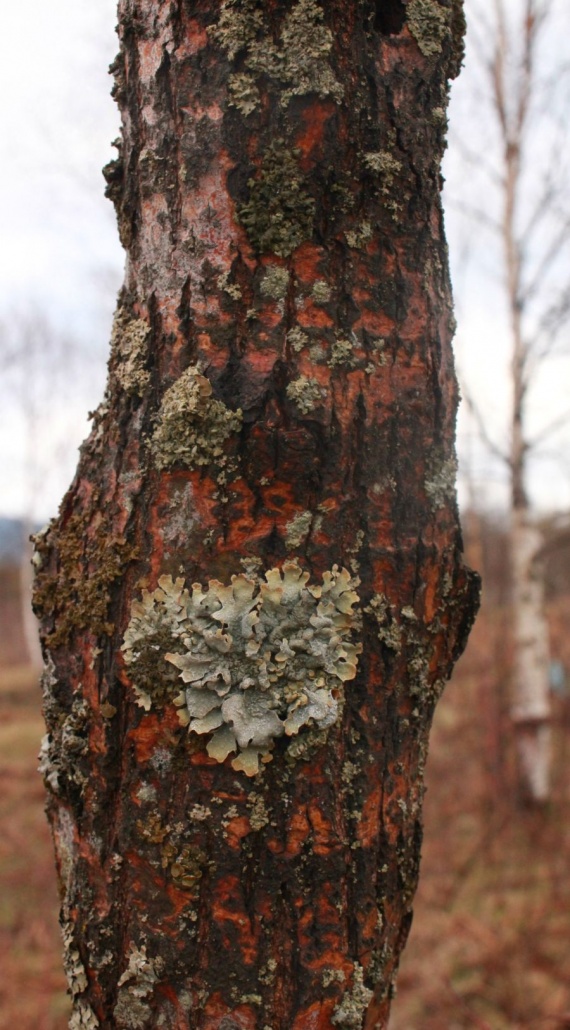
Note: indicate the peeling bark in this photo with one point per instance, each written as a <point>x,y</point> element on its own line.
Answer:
<point>280,409</point>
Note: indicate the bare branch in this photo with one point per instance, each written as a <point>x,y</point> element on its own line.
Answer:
<point>481,426</point>
<point>550,429</point>
<point>475,158</point>
<point>557,245</point>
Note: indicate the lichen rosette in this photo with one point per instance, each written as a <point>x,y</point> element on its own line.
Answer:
<point>260,659</point>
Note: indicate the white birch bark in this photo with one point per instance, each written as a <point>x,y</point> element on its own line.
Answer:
<point>531,695</point>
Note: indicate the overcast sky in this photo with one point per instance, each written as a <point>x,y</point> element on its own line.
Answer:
<point>59,256</point>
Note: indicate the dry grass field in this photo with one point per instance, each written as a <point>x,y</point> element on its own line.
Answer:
<point>490,944</point>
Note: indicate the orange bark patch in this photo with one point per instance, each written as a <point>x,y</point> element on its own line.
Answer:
<point>374,321</point>
<point>316,1017</point>
<point>236,830</point>
<point>307,263</point>
<point>151,732</point>
<point>311,138</point>
<point>298,831</point>
<point>315,317</point>
<point>229,914</point>
<point>325,837</point>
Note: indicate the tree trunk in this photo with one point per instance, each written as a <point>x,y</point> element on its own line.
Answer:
<point>261,540</point>
<point>531,709</point>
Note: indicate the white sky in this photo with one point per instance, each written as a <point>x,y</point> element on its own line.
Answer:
<point>59,254</point>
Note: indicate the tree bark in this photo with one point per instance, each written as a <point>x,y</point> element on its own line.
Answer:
<point>530,688</point>
<point>262,536</point>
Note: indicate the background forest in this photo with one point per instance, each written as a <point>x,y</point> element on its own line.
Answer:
<point>488,946</point>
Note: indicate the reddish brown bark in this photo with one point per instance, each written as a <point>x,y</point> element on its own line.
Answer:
<point>281,392</point>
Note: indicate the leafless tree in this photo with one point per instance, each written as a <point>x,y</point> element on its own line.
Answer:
<point>44,390</point>
<point>519,75</point>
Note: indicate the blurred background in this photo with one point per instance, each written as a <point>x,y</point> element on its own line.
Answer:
<point>489,944</point>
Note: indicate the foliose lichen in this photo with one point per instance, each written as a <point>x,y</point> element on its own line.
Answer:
<point>232,289</point>
<point>192,427</point>
<point>63,747</point>
<point>359,236</point>
<point>136,985</point>
<point>297,339</point>
<point>260,659</point>
<point>350,1013</point>
<point>383,162</point>
<point>298,529</point>
<point>298,60</point>
<point>321,292</point>
<point>77,595</point>
<point>437,28</point>
<point>129,352</point>
<point>275,282</point>
<point>305,392</point>
<point>342,352</point>
<point>82,1016</point>
<point>389,629</point>
<point>440,482</point>
<point>244,93</point>
<point>279,214</point>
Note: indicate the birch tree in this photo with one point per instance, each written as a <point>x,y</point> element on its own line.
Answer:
<point>526,208</point>
<point>254,592</point>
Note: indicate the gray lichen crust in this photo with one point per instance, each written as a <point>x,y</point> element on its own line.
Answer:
<point>192,427</point>
<point>260,659</point>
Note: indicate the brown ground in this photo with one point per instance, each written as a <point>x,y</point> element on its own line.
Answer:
<point>490,947</point>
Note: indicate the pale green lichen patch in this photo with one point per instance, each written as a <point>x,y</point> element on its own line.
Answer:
<point>321,292</point>
<point>298,529</point>
<point>260,659</point>
<point>383,162</point>
<point>129,352</point>
<point>342,353</point>
<point>359,236</point>
<point>192,427</point>
<point>440,482</point>
<point>305,392</point>
<point>389,629</point>
<point>279,214</point>
<point>330,976</point>
<point>258,818</point>
<point>386,167</point>
<point>299,59</point>
<point>428,22</point>
<point>275,282</point>
<point>156,621</point>
<point>350,1013</point>
<point>297,339</point>
<point>232,289</point>
<point>244,93</point>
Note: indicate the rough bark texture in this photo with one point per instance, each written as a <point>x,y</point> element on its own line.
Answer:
<point>281,400</point>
